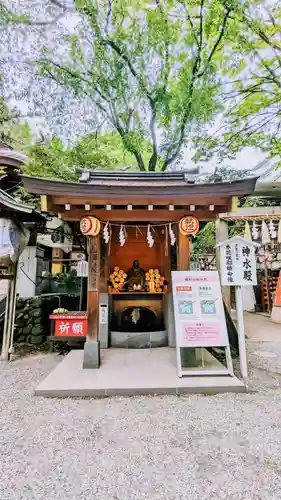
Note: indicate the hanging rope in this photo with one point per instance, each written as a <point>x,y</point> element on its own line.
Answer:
<point>138,226</point>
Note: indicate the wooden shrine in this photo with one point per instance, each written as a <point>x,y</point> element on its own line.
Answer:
<point>129,217</point>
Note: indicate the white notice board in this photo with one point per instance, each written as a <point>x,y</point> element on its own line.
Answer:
<point>82,269</point>
<point>199,314</point>
<point>238,262</point>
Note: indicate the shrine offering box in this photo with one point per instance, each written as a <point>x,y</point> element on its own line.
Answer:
<point>70,324</point>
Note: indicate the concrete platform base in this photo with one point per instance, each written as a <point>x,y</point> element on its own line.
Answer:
<point>129,373</point>
<point>276,314</point>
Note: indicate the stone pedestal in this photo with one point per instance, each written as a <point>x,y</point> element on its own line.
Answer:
<point>91,358</point>
<point>139,340</point>
<point>188,357</point>
<point>169,319</point>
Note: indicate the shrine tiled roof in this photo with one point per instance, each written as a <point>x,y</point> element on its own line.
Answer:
<point>24,212</point>
<point>168,185</point>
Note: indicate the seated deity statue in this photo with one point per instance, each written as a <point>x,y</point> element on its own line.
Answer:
<point>135,277</point>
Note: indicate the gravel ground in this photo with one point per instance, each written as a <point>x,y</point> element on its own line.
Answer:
<point>198,447</point>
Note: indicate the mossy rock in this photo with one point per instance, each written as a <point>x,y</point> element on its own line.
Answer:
<point>27,329</point>
<point>36,330</point>
<point>20,303</point>
<point>36,339</point>
<point>21,339</point>
<point>35,313</point>
<point>20,322</point>
<point>36,302</point>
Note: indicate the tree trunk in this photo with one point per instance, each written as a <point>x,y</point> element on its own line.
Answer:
<point>153,162</point>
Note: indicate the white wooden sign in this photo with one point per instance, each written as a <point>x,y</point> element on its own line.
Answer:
<point>238,262</point>
<point>103,314</point>
<point>238,268</point>
<point>199,315</point>
<point>82,269</point>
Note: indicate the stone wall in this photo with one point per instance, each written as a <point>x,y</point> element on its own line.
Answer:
<point>29,326</point>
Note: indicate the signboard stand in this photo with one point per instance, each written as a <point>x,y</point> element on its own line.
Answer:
<point>276,309</point>
<point>199,320</point>
<point>202,371</point>
<point>241,331</point>
<point>238,268</point>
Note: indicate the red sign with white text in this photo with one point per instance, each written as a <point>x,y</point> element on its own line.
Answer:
<point>70,325</point>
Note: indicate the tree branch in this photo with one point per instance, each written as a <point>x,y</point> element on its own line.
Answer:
<point>117,124</point>
<point>269,69</point>
<point>166,68</point>
<point>113,116</point>
<point>154,156</point>
<point>108,15</point>
<point>196,65</point>
<point>218,41</point>
<point>59,4</point>
<point>98,104</point>
<point>126,59</point>
<point>190,22</point>
<point>251,24</point>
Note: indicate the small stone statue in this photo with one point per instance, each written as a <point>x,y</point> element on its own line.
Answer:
<point>135,277</point>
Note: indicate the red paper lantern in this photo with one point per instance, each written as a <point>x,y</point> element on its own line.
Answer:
<point>90,226</point>
<point>189,225</point>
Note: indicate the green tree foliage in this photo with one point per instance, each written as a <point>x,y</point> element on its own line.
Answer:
<point>150,68</point>
<point>5,120</point>
<point>205,241</point>
<point>7,16</point>
<point>228,174</point>
<point>50,159</point>
<point>252,96</point>
<point>105,151</point>
<point>53,160</point>
<point>12,132</point>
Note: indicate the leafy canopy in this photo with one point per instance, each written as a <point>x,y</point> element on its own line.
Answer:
<point>11,132</point>
<point>52,159</point>
<point>252,86</point>
<point>150,68</point>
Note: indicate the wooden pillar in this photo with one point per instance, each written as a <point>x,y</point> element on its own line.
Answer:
<point>234,204</point>
<point>44,203</point>
<point>188,354</point>
<point>57,254</point>
<point>183,252</point>
<point>93,287</point>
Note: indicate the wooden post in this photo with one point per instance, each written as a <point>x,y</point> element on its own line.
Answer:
<point>222,235</point>
<point>44,203</point>
<point>183,253</point>
<point>92,345</point>
<point>93,287</point>
<point>187,354</point>
<point>234,204</point>
<point>241,332</point>
<point>57,254</point>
